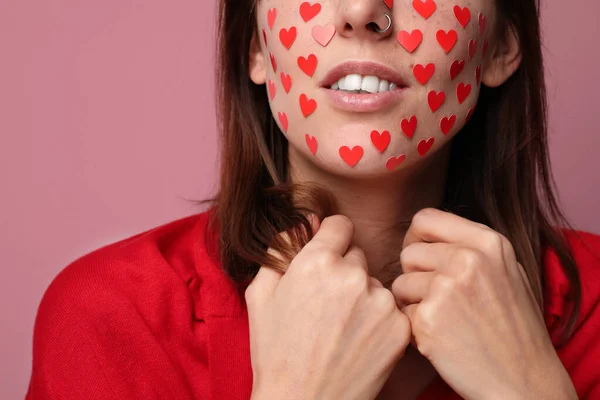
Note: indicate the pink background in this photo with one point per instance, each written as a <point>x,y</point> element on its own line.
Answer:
<point>107,127</point>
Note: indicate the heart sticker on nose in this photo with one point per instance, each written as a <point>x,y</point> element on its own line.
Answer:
<point>424,74</point>
<point>308,106</point>
<point>311,141</point>
<point>323,35</point>
<point>463,15</point>
<point>272,89</point>
<point>447,40</point>
<point>283,120</point>
<point>446,124</point>
<point>271,15</point>
<point>409,126</point>
<point>463,91</point>
<point>380,140</point>
<point>286,81</point>
<point>424,7</point>
<point>308,65</point>
<point>456,68</point>
<point>424,146</point>
<point>394,162</point>
<point>351,157</point>
<point>287,37</point>
<point>410,41</point>
<point>436,100</point>
<point>308,11</point>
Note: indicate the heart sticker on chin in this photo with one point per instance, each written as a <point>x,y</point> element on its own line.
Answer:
<point>381,140</point>
<point>409,126</point>
<point>410,40</point>
<point>323,35</point>
<point>394,162</point>
<point>312,143</point>
<point>308,65</point>
<point>351,156</point>
<point>308,11</point>
<point>308,106</point>
<point>424,74</point>
<point>424,7</point>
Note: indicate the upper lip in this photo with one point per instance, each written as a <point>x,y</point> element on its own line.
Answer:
<point>364,68</point>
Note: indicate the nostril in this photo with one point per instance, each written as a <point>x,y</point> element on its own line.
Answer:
<point>348,27</point>
<point>372,26</point>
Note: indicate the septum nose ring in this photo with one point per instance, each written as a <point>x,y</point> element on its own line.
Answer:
<point>388,26</point>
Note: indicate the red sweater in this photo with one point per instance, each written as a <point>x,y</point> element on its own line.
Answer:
<point>153,317</point>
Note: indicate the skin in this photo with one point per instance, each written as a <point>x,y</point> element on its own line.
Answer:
<point>434,293</point>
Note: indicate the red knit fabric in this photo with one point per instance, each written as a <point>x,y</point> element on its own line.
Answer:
<point>154,317</point>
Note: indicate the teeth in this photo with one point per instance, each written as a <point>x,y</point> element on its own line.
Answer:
<point>355,83</point>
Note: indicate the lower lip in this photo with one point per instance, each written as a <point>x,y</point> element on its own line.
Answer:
<point>367,102</point>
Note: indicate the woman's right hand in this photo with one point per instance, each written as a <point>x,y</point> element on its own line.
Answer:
<point>325,329</point>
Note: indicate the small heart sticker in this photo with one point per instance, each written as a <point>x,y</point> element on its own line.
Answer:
<point>456,68</point>
<point>472,48</point>
<point>308,106</point>
<point>463,15</point>
<point>311,141</point>
<point>351,156</point>
<point>308,65</point>
<point>287,37</point>
<point>272,89</point>
<point>273,62</point>
<point>271,15</point>
<point>447,39</point>
<point>424,7</point>
<point>283,120</point>
<point>410,40</point>
<point>381,140</point>
<point>323,35</point>
<point>286,81</point>
<point>394,162</point>
<point>446,124</point>
<point>424,74</point>
<point>436,100</point>
<point>409,126</point>
<point>308,11</point>
<point>424,146</point>
<point>462,92</point>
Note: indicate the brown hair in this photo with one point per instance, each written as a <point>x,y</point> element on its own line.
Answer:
<point>499,170</point>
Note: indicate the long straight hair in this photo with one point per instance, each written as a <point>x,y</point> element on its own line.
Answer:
<point>499,170</point>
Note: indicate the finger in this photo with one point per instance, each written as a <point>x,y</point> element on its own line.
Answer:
<point>335,233</point>
<point>433,225</point>
<point>422,256</point>
<point>376,282</point>
<point>411,288</point>
<point>356,256</point>
<point>263,285</point>
<point>409,311</point>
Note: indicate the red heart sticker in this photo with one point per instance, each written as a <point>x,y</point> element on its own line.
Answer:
<point>323,35</point>
<point>308,11</point>
<point>283,120</point>
<point>456,68</point>
<point>470,113</point>
<point>351,157</point>
<point>424,146</point>
<point>389,3</point>
<point>286,81</point>
<point>394,162</point>
<point>472,48</point>
<point>463,15</point>
<point>265,37</point>
<point>273,62</point>
<point>482,21</point>
<point>446,124</point>
<point>447,40</point>
<point>463,91</point>
<point>308,65</point>
<point>410,41</point>
<point>287,36</point>
<point>484,48</point>
<point>308,106</point>
<point>424,74</point>
<point>409,126</point>
<point>478,74</point>
<point>381,140</point>
<point>436,100</point>
<point>311,141</point>
<point>425,8</point>
<point>272,89</point>
<point>271,15</point>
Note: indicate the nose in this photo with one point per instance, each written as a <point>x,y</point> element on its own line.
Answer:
<point>364,19</point>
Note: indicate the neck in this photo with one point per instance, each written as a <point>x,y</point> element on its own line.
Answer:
<point>380,207</point>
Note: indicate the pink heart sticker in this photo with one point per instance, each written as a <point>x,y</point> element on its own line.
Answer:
<point>323,35</point>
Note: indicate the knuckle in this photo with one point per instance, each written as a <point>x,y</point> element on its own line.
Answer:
<point>492,242</point>
<point>384,300</point>
<point>424,320</point>
<point>324,258</point>
<point>467,257</point>
<point>356,279</point>
<point>443,284</point>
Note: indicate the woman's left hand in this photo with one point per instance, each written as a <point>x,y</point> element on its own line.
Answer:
<point>473,313</point>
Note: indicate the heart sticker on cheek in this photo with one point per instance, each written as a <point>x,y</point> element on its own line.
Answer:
<point>265,37</point>
<point>394,162</point>
<point>351,156</point>
<point>410,41</point>
<point>308,65</point>
<point>311,141</point>
<point>424,74</point>
<point>446,124</point>
<point>424,146</point>
<point>272,90</point>
<point>470,113</point>
<point>463,15</point>
<point>462,92</point>
<point>287,37</point>
<point>273,62</point>
<point>482,22</point>
<point>409,126</point>
<point>436,100</point>
<point>271,15</point>
<point>484,48</point>
<point>308,11</point>
<point>308,106</point>
<point>472,48</point>
<point>283,120</point>
<point>478,74</point>
<point>456,68</point>
<point>323,35</point>
<point>389,3</point>
<point>447,40</point>
<point>425,8</point>
<point>286,81</point>
<point>381,140</point>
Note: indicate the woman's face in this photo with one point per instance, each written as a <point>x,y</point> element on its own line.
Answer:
<point>358,102</point>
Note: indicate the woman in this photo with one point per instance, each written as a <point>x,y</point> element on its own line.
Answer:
<point>375,235</point>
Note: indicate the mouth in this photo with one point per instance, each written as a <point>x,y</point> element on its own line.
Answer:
<point>363,86</point>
